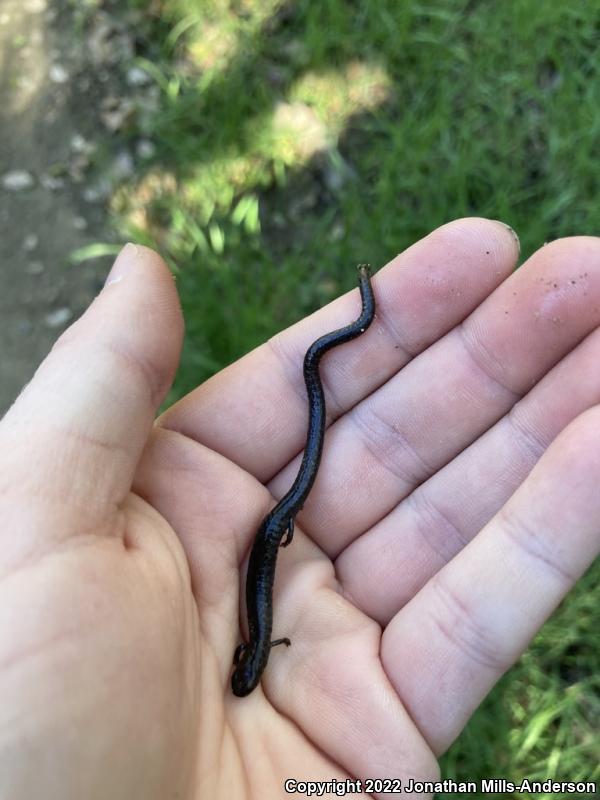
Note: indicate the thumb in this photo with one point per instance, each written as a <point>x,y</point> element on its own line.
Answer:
<point>74,436</point>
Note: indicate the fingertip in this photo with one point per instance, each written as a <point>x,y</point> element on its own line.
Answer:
<point>491,236</point>
<point>144,282</point>
<point>149,299</point>
<point>505,227</point>
<point>574,248</point>
<point>135,260</point>
<point>121,264</point>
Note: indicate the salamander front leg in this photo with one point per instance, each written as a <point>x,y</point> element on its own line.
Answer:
<point>289,534</point>
<point>239,650</point>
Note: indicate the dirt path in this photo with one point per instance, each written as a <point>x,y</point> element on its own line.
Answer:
<point>43,213</point>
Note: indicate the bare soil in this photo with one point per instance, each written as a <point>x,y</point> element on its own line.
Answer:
<point>47,120</point>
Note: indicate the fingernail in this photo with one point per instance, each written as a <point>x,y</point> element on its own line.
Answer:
<point>122,263</point>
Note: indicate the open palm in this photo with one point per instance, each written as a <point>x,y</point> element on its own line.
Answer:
<point>431,549</point>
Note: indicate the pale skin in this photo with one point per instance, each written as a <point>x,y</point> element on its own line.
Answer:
<point>456,504</point>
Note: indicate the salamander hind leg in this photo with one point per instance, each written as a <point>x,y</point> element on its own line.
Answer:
<point>289,534</point>
<point>284,641</point>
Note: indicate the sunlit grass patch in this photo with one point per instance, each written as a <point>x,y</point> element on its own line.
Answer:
<point>214,47</point>
<point>139,205</point>
<point>338,94</point>
<point>216,32</point>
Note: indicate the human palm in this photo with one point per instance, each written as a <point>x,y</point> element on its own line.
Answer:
<point>431,549</point>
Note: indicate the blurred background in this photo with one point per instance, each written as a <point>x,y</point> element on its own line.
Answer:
<point>266,147</point>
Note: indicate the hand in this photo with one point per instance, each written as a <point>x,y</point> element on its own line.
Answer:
<point>455,506</point>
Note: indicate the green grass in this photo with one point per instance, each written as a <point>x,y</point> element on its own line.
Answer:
<point>428,111</point>
<point>542,720</point>
<point>411,114</point>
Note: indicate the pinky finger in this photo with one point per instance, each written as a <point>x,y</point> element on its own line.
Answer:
<point>445,649</point>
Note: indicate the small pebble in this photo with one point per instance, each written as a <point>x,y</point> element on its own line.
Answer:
<point>58,74</point>
<point>17,180</point>
<point>34,268</point>
<point>137,77</point>
<point>97,193</point>
<point>52,182</point>
<point>79,143</point>
<point>80,223</point>
<point>58,317</point>
<point>123,165</point>
<point>30,242</point>
<point>145,149</point>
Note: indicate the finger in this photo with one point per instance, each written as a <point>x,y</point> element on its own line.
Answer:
<point>74,436</point>
<point>254,412</point>
<point>385,567</point>
<point>375,455</point>
<point>445,650</point>
<point>331,682</point>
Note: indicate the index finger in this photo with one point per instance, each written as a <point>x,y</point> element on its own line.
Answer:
<point>254,411</point>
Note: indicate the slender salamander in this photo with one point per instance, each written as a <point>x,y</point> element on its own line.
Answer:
<point>250,659</point>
